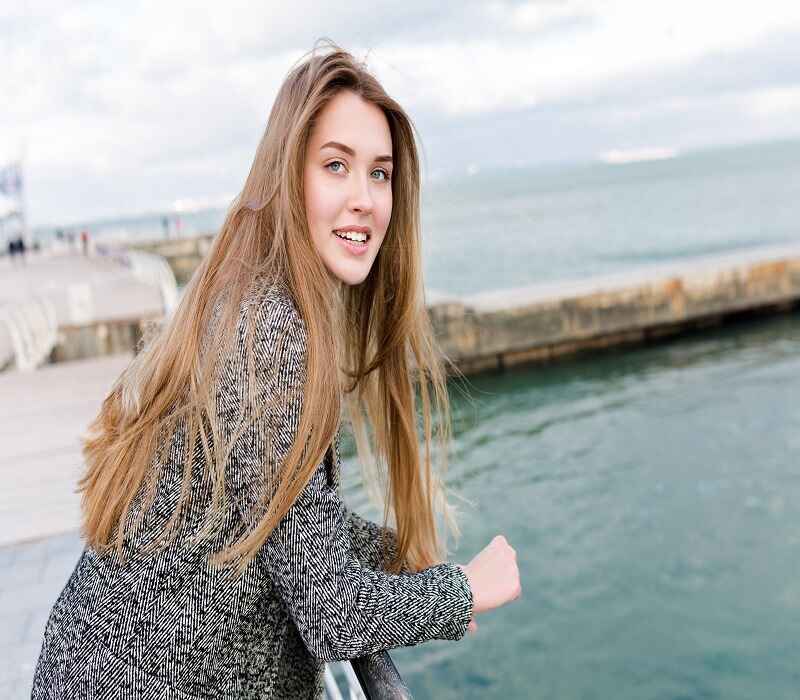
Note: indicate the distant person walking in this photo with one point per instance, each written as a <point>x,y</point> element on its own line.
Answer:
<point>85,242</point>
<point>16,250</point>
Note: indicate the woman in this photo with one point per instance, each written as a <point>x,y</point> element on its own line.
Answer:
<point>220,561</point>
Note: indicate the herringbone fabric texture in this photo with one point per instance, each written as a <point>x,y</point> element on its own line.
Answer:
<point>167,624</point>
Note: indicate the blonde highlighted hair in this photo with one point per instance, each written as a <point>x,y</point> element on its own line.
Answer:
<point>387,370</point>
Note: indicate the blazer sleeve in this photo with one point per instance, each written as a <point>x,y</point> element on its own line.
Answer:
<point>342,607</point>
<point>372,543</point>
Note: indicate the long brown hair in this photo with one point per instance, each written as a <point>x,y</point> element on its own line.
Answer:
<point>388,369</point>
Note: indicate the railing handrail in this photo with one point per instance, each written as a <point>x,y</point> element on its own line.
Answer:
<point>370,677</point>
<point>32,329</point>
<point>379,677</point>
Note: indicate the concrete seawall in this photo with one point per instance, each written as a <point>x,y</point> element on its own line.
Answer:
<point>499,329</point>
<point>96,306</point>
<point>182,254</point>
<point>507,327</point>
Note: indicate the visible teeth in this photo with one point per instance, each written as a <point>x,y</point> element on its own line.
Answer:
<point>352,236</point>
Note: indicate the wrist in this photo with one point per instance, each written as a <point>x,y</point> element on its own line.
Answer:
<point>465,569</point>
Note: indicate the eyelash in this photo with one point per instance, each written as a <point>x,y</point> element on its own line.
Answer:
<point>387,177</point>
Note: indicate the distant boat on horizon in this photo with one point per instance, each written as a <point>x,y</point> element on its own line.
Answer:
<point>637,155</point>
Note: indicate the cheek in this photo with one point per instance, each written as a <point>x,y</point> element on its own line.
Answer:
<point>320,209</point>
<point>385,210</point>
<point>312,196</point>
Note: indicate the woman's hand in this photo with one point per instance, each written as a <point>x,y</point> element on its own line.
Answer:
<point>493,577</point>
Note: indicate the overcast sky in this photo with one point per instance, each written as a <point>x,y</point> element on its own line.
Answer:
<point>142,106</point>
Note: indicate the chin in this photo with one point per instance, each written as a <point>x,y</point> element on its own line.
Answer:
<point>352,280</point>
<point>350,277</point>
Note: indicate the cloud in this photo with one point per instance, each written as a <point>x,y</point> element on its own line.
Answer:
<point>775,102</point>
<point>140,104</point>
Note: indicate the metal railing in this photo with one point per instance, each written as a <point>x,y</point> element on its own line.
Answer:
<point>370,677</point>
<point>28,332</point>
<point>155,270</point>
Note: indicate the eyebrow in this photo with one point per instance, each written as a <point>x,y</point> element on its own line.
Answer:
<point>350,151</point>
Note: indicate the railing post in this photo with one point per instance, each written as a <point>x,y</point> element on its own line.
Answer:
<point>379,678</point>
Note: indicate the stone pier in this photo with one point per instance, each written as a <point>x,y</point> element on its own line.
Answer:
<point>182,254</point>
<point>503,328</point>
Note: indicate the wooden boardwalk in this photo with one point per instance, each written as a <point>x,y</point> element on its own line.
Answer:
<point>42,415</point>
<point>83,288</point>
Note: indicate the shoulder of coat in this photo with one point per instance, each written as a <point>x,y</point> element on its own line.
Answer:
<point>274,308</point>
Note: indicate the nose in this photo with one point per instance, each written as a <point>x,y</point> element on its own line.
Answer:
<point>360,198</point>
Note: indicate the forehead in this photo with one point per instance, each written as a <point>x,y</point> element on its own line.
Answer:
<point>351,120</point>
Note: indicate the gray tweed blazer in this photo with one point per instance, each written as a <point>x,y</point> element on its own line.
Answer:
<point>168,625</point>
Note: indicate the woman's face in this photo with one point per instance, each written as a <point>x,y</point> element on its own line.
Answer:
<point>347,171</point>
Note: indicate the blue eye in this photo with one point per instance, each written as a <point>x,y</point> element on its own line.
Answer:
<point>386,176</point>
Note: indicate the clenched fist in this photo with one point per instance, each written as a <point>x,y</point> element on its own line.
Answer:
<point>493,577</point>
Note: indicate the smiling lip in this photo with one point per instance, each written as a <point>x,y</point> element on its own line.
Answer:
<point>354,248</point>
<point>359,229</point>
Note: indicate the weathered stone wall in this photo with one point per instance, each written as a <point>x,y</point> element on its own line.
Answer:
<point>100,338</point>
<point>182,254</point>
<point>508,327</point>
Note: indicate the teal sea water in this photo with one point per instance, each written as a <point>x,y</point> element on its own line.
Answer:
<point>653,498</point>
<point>507,228</point>
<point>653,494</point>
